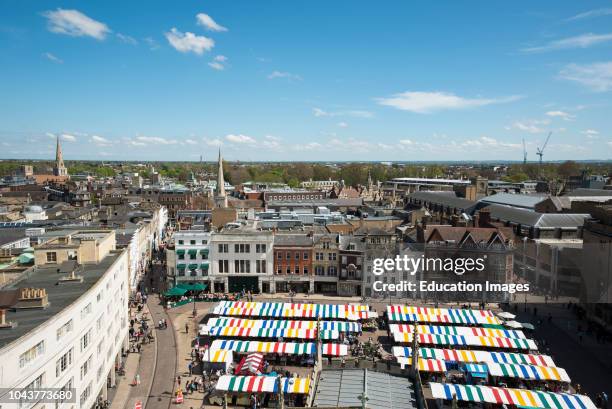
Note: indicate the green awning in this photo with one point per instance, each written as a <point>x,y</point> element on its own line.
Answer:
<point>204,251</point>
<point>175,292</point>
<point>180,252</point>
<point>204,266</point>
<point>193,266</point>
<point>192,286</point>
<point>180,266</point>
<point>192,251</point>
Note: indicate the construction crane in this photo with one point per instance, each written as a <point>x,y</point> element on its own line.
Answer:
<point>524,153</point>
<point>540,152</point>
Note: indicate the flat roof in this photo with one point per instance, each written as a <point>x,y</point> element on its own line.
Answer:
<point>60,296</point>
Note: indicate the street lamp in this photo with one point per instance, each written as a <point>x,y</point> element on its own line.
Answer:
<point>195,311</point>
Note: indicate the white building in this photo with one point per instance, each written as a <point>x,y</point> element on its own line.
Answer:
<point>65,330</point>
<point>34,212</point>
<point>192,261</point>
<point>242,258</point>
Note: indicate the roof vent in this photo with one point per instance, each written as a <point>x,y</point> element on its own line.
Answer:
<point>72,277</point>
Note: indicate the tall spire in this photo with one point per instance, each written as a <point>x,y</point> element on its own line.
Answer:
<point>220,197</point>
<point>59,169</point>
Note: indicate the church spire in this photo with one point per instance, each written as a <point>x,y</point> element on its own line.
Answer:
<point>220,197</point>
<point>59,169</point>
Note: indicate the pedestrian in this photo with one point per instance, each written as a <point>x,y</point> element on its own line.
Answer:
<point>190,368</point>
<point>178,380</point>
<point>186,328</point>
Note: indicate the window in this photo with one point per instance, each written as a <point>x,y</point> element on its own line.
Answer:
<point>63,363</point>
<point>85,340</point>
<point>279,255</point>
<point>242,266</point>
<point>297,255</point>
<point>319,270</point>
<point>242,248</point>
<point>260,266</point>
<point>204,242</point>
<point>305,256</point>
<point>86,367</point>
<point>64,329</point>
<point>180,242</point>
<point>64,388</point>
<point>181,256</point>
<point>192,256</point>
<point>52,257</point>
<point>223,266</point>
<point>332,256</point>
<point>85,394</point>
<point>288,256</point>
<point>223,248</point>
<point>31,354</point>
<point>260,248</point>
<point>319,256</point>
<point>86,311</point>
<point>192,242</point>
<point>326,245</point>
<point>305,270</point>
<point>332,271</point>
<point>32,386</point>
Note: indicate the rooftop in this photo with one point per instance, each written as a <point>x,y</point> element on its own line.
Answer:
<point>342,388</point>
<point>60,296</point>
<point>516,200</point>
<point>530,218</point>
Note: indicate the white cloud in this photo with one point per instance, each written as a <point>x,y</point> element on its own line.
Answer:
<point>189,42</point>
<point>407,142</point>
<point>580,41</point>
<point>213,142</point>
<point>272,142</point>
<point>590,133</point>
<point>207,22</point>
<point>531,126</point>
<point>68,137</point>
<point>190,142</point>
<point>318,112</point>
<point>245,139</point>
<point>427,102</point>
<point>127,39</point>
<point>561,114</point>
<point>53,58</point>
<point>155,140</point>
<point>75,24</point>
<point>342,124</point>
<point>151,43</point>
<point>100,141</point>
<point>218,63</point>
<point>281,74</point>
<point>590,14</point>
<point>596,76</point>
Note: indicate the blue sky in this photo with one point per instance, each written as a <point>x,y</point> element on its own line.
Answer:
<point>316,80</point>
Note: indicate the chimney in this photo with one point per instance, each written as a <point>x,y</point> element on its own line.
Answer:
<point>3,323</point>
<point>484,218</point>
<point>454,220</point>
<point>476,220</point>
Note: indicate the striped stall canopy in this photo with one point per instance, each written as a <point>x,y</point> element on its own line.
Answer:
<point>437,339</point>
<point>351,312</point>
<point>330,335</point>
<point>295,385</point>
<point>253,362</point>
<point>286,348</point>
<point>250,384</point>
<point>217,356</point>
<point>247,383</point>
<point>523,359</point>
<point>540,373</point>
<point>472,356</point>
<point>517,397</point>
<point>405,313</point>
<point>452,330</point>
<point>425,365</point>
<point>341,326</point>
<point>262,332</point>
<point>476,368</point>
<point>335,349</point>
<point>248,323</point>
